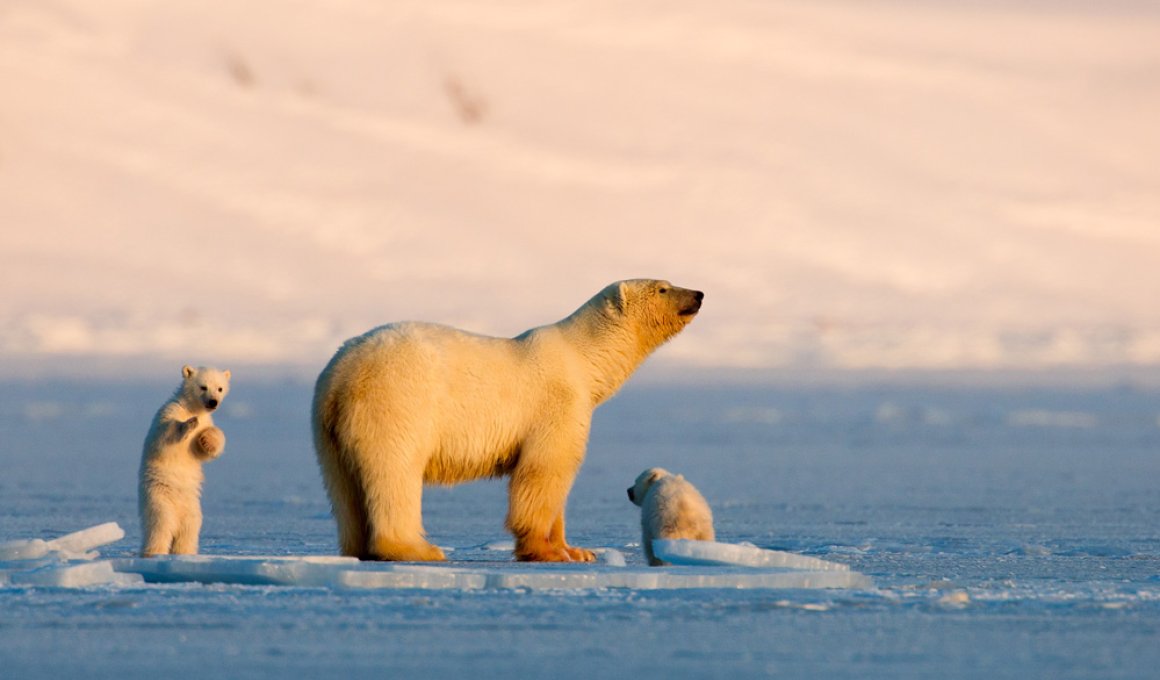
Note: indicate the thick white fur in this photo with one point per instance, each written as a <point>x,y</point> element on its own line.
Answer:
<point>181,438</point>
<point>413,403</point>
<point>670,507</point>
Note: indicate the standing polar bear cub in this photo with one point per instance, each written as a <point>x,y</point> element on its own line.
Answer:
<point>412,403</point>
<point>670,507</point>
<point>181,438</point>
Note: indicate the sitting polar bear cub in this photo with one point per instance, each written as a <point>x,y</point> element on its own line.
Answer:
<point>181,438</point>
<point>670,507</point>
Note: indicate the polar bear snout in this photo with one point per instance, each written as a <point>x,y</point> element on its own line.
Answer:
<point>639,489</point>
<point>693,304</point>
<point>211,404</point>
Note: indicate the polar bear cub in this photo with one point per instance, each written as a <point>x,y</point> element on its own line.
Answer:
<point>181,438</point>
<point>670,507</point>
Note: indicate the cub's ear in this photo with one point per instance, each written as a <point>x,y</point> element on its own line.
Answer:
<point>226,373</point>
<point>186,371</point>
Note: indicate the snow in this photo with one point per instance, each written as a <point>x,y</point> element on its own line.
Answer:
<point>883,185</point>
<point>995,547</point>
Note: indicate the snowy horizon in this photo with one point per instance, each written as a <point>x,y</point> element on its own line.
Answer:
<point>895,186</point>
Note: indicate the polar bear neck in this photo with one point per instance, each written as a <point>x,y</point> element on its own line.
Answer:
<point>611,349</point>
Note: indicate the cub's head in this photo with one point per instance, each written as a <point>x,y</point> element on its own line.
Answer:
<point>644,482</point>
<point>204,388</point>
<point>657,310</point>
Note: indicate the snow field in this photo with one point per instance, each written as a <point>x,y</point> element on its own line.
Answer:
<point>854,185</point>
<point>999,546</point>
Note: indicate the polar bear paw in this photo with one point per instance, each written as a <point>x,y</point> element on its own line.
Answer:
<point>208,444</point>
<point>528,550</point>
<point>397,551</point>
<point>580,554</point>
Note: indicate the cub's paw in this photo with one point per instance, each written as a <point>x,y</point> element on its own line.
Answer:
<point>208,444</point>
<point>187,426</point>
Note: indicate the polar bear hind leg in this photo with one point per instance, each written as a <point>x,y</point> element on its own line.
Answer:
<point>346,501</point>
<point>185,539</point>
<point>160,525</point>
<point>394,506</point>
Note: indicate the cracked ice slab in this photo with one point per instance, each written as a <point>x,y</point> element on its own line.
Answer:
<point>24,549</point>
<point>711,553</point>
<point>65,562</point>
<point>75,545</point>
<point>287,571</point>
<point>78,575</point>
<point>349,573</point>
<point>80,542</point>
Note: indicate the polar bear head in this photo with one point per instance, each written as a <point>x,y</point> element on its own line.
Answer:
<point>644,482</point>
<point>655,309</point>
<point>203,389</point>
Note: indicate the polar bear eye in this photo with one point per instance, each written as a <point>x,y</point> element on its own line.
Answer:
<point>219,389</point>
<point>204,388</point>
<point>662,291</point>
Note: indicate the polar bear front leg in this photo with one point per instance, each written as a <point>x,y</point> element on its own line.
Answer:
<point>556,537</point>
<point>177,430</point>
<point>208,444</point>
<point>538,493</point>
<point>532,506</point>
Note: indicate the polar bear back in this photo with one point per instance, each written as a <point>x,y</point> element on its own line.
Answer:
<point>459,397</point>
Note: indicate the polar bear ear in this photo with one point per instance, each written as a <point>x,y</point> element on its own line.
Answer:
<point>226,373</point>
<point>614,297</point>
<point>186,371</point>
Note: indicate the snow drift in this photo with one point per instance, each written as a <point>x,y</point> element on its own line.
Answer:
<point>937,185</point>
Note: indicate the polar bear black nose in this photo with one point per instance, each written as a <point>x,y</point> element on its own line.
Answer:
<point>211,404</point>
<point>631,496</point>
<point>694,306</point>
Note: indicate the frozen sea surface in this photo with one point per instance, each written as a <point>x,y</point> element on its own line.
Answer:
<point>1008,532</point>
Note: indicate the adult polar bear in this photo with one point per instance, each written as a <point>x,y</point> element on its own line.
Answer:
<point>413,403</point>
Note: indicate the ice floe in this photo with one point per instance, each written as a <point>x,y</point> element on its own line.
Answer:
<point>71,562</point>
<point>704,565</point>
<point>712,553</point>
<point>348,573</point>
